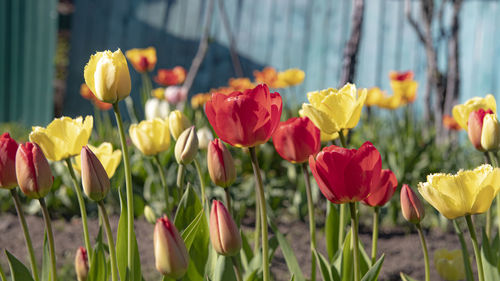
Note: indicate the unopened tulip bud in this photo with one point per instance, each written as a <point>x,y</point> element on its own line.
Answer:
<point>149,214</point>
<point>220,164</point>
<point>475,126</point>
<point>178,123</point>
<point>95,180</point>
<point>411,206</point>
<point>33,171</point>
<point>8,149</point>
<point>186,146</point>
<point>171,256</point>
<point>204,137</point>
<point>490,135</point>
<point>224,233</point>
<point>81,264</point>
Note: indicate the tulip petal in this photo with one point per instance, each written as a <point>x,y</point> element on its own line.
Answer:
<point>356,112</point>
<point>362,172</point>
<point>319,118</point>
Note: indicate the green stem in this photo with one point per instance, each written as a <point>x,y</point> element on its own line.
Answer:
<point>236,268</point>
<point>111,243</point>
<point>495,161</point>
<point>465,252</point>
<point>181,171</point>
<point>256,235</point>
<point>354,228</point>
<point>263,214</point>
<point>27,237</point>
<point>200,177</point>
<point>129,192</point>
<point>83,209</point>
<point>426,253</point>
<point>376,214</point>
<point>342,213</point>
<point>489,160</point>
<point>312,223</point>
<point>163,182</point>
<point>48,226</point>
<point>228,200</point>
<point>479,260</point>
<point>342,139</point>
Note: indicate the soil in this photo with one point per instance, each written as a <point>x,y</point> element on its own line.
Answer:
<point>402,250</point>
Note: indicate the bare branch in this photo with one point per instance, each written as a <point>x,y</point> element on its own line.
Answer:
<point>413,22</point>
<point>352,45</point>
<point>232,44</point>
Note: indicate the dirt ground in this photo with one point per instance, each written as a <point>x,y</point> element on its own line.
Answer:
<point>403,251</point>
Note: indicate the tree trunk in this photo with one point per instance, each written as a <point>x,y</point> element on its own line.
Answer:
<point>352,46</point>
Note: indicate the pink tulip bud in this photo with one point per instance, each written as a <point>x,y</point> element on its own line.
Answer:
<point>81,264</point>
<point>33,171</point>
<point>95,180</point>
<point>171,255</point>
<point>411,206</point>
<point>224,233</point>
<point>220,164</point>
<point>475,126</point>
<point>8,149</point>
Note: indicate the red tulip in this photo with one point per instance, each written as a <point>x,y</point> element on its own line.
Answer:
<point>475,126</point>
<point>220,164</point>
<point>245,119</point>
<point>8,149</point>
<point>171,255</point>
<point>296,139</point>
<point>81,264</point>
<point>33,171</point>
<point>346,175</point>
<point>411,206</point>
<point>384,190</point>
<point>224,233</point>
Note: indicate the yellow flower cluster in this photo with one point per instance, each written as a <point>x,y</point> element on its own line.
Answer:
<point>404,92</point>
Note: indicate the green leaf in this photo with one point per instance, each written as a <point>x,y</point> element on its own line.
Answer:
<point>2,274</point>
<point>190,232</point>
<point>374,271</point>
<point>490,260</point>
<point>46,267</point>
<point>331,229</point>
<point>224,269</point>
<point>290,259</point>
<point>324,266</point>
<point>364,261</point>
<point>18,271</point>
<point>98,268</point>
<point>246,253</point>
<point>347,271</point>
<point>405,277</point>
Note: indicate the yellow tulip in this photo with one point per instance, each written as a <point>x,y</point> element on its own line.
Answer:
<point>390,102</point>
<point>332,110</point>
<point>292,76</point>
<point>466,193</point>
<point>178,123</point>
<point>107,76</point>
<point>142,59</point>
<point>490,134</point>
<point>324,137</point>
<point>64,137</point>
<point>158,93</point>
<point>449,264</point>
<point>461,112</point>
<point>406,90</point>
<point>373,96</point>
<point>109,158</point>
<point>151,136</point>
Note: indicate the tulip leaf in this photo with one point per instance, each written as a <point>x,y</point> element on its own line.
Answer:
<point>347,270</point>
<point>18,270</point>
<point>364,260</point>
<point>331,230</point>
<point>224,269</point>
<point>2,274</point>
<point>122,245</point>
<point>290,259</point>
<point>490,260</point>
<point>247,252</point>
<point>324,266</point>
<point>46,267</point>
<point>191,230</point>
<point>374,271</point>
<point>98,269</point>
<point>405,277</point>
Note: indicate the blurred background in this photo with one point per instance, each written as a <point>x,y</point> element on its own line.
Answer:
<point>44,46</point>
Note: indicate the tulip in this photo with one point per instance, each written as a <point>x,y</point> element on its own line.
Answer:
<point>240,84</point>
<point>149,214</point>
<point>404,86</point>
<point>107,76</point>
<point>64,137</point>
<point>156,108</point>
<point>171,256</point>
<point>292,76</point>
<point>383,191</point>
<point>204,137</point>
<point>224,234</point>
<point>151,136</point>
<point>450,123</point>
<point>475,126</point>
<point>411,206</point>
<point>175,94</point>
<point>168,77</point>
<point>462,112</point>
<point>81,264</point>
<point>449,264</point>
<point>199,100</point>
<point>220,164</point>
<point>490,135</point>
<point>143,60</point>
<point>109,158</point>
<point>178,123</point>
<point>33,171</point>
<point>252,116</point>
<point>158,93</point>
<point>346,175</point>
<point>186,146</point>
<point>95,180</point>
<point>296,139</point>
<point>465,193</point>
<point>332,110</point>
<point>267,76</point>
<point>8,149</point>
<point>373,96</point>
